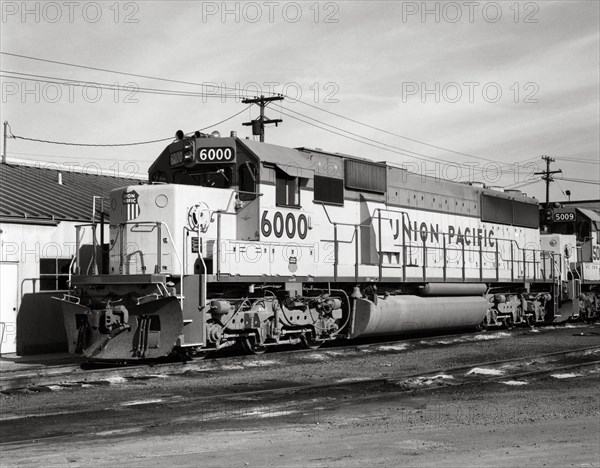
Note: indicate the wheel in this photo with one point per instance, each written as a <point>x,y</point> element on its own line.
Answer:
<point>250,346</point>
<point>308,342</point>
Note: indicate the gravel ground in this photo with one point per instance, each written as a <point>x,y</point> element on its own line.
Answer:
<point>153,422</point>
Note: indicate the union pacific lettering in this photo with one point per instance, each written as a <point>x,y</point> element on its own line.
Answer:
<point>424,232</point>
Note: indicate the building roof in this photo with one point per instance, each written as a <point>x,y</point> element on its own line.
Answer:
<point>32,194</point>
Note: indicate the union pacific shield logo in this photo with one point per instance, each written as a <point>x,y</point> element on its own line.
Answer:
<point>131,207</point>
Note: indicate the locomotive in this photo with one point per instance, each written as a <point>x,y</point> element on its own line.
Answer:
<point>237,242</point>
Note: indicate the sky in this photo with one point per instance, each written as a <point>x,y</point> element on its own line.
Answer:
<point>474,91</point>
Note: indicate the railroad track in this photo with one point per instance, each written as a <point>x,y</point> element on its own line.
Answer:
<point>44,378</point>
<point>37,376</point>
<point>287,400</point>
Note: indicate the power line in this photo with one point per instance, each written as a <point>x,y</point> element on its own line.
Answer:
<point>522,184</point>
<point>573,158</point>
<point>399,150</point>
<point>394,149</point>
<point>37,140</point>
<point>228,88</point>
<point>54,156</point>
<point>580,181</point>
<point>395,134</point>
<point>115,71</point>
<point>118,144</point>
<point>111,87</point>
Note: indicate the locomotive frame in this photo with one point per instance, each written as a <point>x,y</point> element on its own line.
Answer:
<point>239,242</point>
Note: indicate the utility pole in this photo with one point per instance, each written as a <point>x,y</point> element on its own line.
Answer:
<point>258,125</point>
<point>547,176</point>
<point>4,145</point>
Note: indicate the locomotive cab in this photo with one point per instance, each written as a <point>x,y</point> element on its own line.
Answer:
<point>584,270</point>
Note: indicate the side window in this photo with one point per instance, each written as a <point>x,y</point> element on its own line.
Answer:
<point>158,177</point>
<point>584,231</point>
<point>247,181</point>
<point>287,189</point>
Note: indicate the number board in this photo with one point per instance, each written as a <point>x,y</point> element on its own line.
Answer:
<point>563,217</point>
<point>215,155</point>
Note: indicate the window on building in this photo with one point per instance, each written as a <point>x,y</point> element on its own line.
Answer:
<point>287,189</point>
<point>54,273</point>
<point>329,190</point>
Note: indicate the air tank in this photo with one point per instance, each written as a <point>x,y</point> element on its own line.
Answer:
<point>404,314</point>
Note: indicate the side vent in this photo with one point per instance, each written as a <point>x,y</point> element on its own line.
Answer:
<point>365,176</point>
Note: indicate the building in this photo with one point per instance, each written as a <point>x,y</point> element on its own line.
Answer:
<point>39,211</point>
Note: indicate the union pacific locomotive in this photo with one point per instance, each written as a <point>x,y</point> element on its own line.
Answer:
<point>236,242</point>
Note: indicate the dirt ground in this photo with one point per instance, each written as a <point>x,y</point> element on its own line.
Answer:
<point>542,421</point>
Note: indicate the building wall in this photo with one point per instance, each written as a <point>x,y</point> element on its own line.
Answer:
<point>24,248</point>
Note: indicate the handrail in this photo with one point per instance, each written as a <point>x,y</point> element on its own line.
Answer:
<point>445,236</point>
<point>34,281</point>
<point>120,226</point>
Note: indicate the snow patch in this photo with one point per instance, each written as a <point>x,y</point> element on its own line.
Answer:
<point>352,379</point>
<point>398,347</point>
<point>567,375</point>
<point>316,356</point>
<point>467,338</point>
<point>115,380</point>
<point>142,402</point>
<point>260,363</point>
<point>120,431</point>
<point>232,367</point>
<point>515,382</point>
<point>417,382</point>
<point>269,413</point>
<point>484,371</point>
<point>495,336</point>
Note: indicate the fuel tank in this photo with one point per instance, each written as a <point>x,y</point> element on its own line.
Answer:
<point>404,314</point>
<point>453,289</point>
